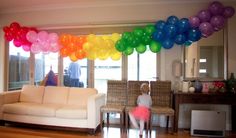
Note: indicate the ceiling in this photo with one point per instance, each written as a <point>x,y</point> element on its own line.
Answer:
<point>7,6</point>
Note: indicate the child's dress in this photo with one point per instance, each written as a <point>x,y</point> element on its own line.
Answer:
<point>141,112</point>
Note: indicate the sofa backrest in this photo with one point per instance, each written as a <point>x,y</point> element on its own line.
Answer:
<point>79,96</point>
<point>31,93</point>
<point>55,95</point>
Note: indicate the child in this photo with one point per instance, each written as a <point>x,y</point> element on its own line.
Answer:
<point>141,112</point>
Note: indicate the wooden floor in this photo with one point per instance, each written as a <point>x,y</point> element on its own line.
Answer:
<point>112,132</point>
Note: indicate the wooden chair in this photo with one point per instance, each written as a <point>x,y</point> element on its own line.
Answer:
<point>115,102</point>
<point>133,92</point>
<point>162,100</point>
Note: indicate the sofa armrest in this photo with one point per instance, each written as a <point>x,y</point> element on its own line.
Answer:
<point>11,96</point>
<point>8,97</point>
<point>93,109</point>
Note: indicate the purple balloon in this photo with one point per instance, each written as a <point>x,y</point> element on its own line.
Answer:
<point>204,15</point>
<point>194,21</point>
<point>216,8</point>
<point>228,12</point>
<point>206,29</point>
<point>218,22</point>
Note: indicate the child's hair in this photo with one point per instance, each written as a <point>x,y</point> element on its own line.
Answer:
<point>144,88</point>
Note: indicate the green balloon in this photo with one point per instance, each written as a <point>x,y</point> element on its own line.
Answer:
<point>128,51</point>
<point>120,45</point>
<point>138,32</point>
<point>149,29</point>
<point>146,39</point>
<point>155,46</point>
<point>141,48</point>
<point>126,35</point>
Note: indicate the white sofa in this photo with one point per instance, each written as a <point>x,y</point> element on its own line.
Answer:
<point>53,106</point>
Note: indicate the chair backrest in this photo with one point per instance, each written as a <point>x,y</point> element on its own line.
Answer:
<point>133,92</point>
<point>161,93</point>
<point>116,92</point>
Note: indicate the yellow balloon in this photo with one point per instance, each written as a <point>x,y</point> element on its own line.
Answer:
<point>105,37</point>
<point>116,56</point>
<point>91,37</point>
<point>115,37</point>
<point>73,57</point>
<point>87,46</point>
<point>91,55</point>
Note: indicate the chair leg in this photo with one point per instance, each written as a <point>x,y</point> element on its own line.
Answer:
<point>150,124</point>
<point>126,121</point>
<point>108,120</point>
<point>121,120</point>
<point>167,122</point>
<point>101,121</point>
<point>172,124</point>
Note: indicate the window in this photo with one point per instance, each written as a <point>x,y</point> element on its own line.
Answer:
<point>84,69</point>
<point>142,66</point>
<point>106,70</point>
<point>43,64</point>
<point>18,67</point>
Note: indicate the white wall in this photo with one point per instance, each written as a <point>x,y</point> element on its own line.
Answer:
<point>117,13</point>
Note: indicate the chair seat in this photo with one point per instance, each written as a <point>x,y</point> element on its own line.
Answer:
<point>162,110</point>
<point>128,108</point>
<point>112,108</point>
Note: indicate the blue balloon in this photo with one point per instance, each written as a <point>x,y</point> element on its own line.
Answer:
<point>160,25</point>
<point>180,39</point>
<point>183,25</point>
<point>168,43</point>
<point>173,20</point>
<point>158,35</point>
<point>187,43</point>
<point>170,31</point>
<point>194,34</point>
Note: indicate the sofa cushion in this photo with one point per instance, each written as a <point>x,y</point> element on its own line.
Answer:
<point>79,96</point>
<point>35,109</point>
<point>55,95</point>
<point>31,93</point>
<point>72,112</point>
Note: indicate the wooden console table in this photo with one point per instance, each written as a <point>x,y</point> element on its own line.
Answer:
<point>204,98</point>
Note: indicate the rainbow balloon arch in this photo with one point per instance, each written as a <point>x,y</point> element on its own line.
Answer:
<point>163,34</point>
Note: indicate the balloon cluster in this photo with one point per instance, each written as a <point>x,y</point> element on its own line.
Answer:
<point>175,31</point>
<point>43,42</point>
<point>211,19</point>
<point>17,34</point>
<point>102,47</point>
<point>72,46</point>
<point>138,39</point>
<point>164,34</point>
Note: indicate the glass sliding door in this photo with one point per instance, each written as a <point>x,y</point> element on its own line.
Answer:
<point>106,70</point>
<point>83,79</point>
<point>18,71</point>
<point>45,65</point>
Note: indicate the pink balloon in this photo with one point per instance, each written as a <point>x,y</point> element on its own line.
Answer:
<point>53,37</point>
<point>26,48</point>
<point>43,36</point>
<point>45,47</point>
<point>54,47</point>
<point>32,36</point>
<point>17,42</point>
<point>35,48</point>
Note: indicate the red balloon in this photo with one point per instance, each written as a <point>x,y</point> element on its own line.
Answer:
<point>9,36</point>
<point>15,25</point>
<point>6,29</point>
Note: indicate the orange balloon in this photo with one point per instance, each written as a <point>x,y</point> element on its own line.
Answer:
<point>72,46</point>
<point>64,52</point>
<point>80,54</point>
